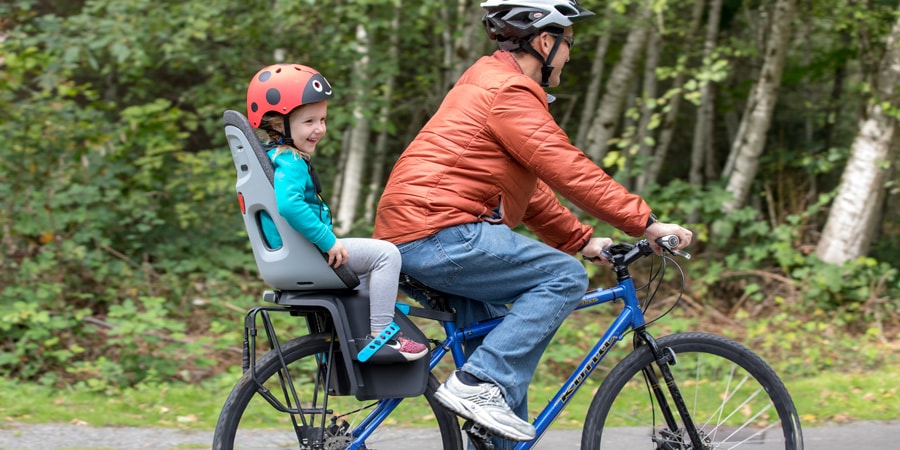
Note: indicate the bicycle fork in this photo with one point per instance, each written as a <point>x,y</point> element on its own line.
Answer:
<point>664,358</point>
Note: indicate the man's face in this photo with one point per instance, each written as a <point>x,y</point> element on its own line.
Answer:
<point>548,40</point>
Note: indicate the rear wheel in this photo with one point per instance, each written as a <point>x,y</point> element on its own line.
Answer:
<point>327,421</point>
<point>734,398</point>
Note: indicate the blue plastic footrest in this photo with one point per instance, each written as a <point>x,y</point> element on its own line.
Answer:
<point>378,342</point>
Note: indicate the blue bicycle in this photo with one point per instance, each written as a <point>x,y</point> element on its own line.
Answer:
<point>683,391</point>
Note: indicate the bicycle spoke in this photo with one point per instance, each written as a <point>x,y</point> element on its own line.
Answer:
<point>736,401</point>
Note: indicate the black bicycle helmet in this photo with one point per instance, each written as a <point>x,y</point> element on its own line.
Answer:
<point>513,23</point>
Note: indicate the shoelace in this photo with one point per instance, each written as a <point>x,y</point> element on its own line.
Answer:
<point>489,397</point>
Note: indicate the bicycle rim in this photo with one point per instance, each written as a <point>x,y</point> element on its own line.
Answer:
<point>248,420</point>
<point>735,399</point>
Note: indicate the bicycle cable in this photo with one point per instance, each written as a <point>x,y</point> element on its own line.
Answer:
<point>666,259</point>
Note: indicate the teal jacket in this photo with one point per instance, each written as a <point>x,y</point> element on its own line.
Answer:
<point>298,202</point>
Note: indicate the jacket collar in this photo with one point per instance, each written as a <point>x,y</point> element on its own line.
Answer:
<point>507,58</point>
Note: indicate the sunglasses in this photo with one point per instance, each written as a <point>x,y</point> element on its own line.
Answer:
<point>570,39</point>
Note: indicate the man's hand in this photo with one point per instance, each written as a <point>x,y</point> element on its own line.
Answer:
<point>592,250</point>
<point>657,230</point>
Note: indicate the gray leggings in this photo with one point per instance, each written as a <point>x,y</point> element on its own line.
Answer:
<point>377,264</point>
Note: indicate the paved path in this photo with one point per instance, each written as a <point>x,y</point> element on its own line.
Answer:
<point>856,436</point>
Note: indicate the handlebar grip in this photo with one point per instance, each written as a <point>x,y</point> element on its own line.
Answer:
<point>670,241</point>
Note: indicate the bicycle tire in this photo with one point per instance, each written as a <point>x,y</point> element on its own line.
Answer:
<point>733,397</point>
<point>240,420</point>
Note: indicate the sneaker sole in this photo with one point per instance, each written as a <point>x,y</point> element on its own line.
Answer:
<point>414,356</point>
<point>454,404</point>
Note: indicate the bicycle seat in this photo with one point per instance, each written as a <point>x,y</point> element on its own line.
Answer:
<point>297,265</point>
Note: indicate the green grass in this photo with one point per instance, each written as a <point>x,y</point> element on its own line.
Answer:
<point>826,398</point>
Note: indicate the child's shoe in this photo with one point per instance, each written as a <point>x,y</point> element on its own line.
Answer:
<point>410,349</point>
<point>399,350</point>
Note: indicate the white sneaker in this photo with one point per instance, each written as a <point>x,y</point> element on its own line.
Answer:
<point>485,405</point>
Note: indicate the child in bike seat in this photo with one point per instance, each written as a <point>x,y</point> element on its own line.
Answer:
<point>288,104</point>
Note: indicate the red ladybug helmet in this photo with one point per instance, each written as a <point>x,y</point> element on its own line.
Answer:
<point>282,87</point>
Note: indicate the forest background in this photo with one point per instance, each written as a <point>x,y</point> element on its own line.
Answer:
<point>767,127</point>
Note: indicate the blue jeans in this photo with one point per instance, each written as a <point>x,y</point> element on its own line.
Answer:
<point>491,270</point>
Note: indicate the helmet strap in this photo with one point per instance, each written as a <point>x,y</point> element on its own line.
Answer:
<point>288,140</point>
<point>546,68</point>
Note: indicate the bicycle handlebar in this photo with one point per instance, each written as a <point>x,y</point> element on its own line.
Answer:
<point>669,243</point>
<point>623,254</point>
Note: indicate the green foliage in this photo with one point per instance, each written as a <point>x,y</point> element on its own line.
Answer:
<point>124,258</point>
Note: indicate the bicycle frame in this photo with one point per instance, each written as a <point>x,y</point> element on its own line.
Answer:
<point>631,317</point>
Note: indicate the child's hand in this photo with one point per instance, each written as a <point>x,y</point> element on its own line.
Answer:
<point>337,255</point>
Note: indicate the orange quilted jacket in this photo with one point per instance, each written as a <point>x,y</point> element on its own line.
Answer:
<point>493,152</point>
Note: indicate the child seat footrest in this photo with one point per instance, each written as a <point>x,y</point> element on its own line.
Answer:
<point>372,347</point>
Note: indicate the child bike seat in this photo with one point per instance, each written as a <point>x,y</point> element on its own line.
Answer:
<point>297,265</point>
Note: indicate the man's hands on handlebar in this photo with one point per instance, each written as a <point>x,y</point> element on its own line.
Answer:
<point>659,229</point>
<point>593,250</point>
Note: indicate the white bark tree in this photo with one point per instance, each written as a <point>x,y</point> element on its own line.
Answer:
<point>703,127</point>
<point>606,119</point>
<point>461,50</point>
<point>649,112</point>
<point>593,90</point>
<point>357,146</point>
<point>376,179</point>
<point>751,137</point>
<point>857,209</point>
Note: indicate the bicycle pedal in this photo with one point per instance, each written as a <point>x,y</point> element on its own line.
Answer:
<point>479,435</point>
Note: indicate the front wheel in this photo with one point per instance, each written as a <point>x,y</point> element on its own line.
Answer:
<point>328,421</point>
<point>733,397</point>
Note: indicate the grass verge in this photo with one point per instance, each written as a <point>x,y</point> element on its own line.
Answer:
<point>832,397</point>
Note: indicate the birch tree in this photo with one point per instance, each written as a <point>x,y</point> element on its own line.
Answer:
<point>606,118</point>
<point>649,102</point>
<point>356,147</point>
<point>856,210</point>
<point>467,45</point>
<point>751,137</point>
<point>703,127</point>
<point>376,180</point>
<point>593,90</point>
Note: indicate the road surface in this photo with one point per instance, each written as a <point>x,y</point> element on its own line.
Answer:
<point>855,436</point>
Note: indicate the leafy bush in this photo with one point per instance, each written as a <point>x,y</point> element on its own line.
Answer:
<point>110,232</point>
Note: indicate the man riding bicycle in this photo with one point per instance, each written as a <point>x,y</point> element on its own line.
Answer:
<point>492,157</point>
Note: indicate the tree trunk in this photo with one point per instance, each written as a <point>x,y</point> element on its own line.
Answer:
<point>463,39</point>
<point>856,210</point>
<point>668,127</point>
<point>606,119</point>
<point>751,138</point>
<point>351,188</point>
<point>376,179</point>
<point>593,89</point>
<point>649,110</point>
<point>705,113</point>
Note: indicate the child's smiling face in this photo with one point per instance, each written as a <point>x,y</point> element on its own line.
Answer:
<point>308,125</point>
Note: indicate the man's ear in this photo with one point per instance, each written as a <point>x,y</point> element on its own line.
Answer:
<point>546,42</point>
